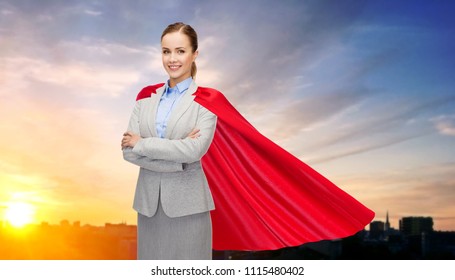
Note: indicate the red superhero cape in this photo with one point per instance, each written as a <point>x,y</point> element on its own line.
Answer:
<point>265,197</point>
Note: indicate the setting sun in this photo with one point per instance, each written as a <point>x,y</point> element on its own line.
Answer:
<point>19,214</point>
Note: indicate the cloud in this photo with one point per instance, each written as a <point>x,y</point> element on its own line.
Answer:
<point>58,101</point>
<point>90,79</point>
<point>64,158</point>
<point>445,125</point>
<point>398,191</point>
<point>350,151</point>
<point>63,135</point>
<point>87,67</point>
<point>323,80</point>
<point>5,12</point>
<point>386,118</point>
<point>277,54</point>
<point>92,12</point>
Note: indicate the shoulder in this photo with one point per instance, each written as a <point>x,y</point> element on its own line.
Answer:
<point>147,91</point>
<point>213,100</point>
<point>207,93</point>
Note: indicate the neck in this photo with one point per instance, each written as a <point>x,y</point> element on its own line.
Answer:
<point>174,82</point>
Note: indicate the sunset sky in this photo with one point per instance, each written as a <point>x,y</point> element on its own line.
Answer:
<point>362,91</point>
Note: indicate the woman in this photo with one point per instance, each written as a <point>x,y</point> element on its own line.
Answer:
<point>265,197</point>
<point>167,135</point>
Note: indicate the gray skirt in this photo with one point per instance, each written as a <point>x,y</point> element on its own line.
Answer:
<point>183,238</point>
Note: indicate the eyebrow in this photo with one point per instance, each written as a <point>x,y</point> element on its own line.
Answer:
<point>175,48</point>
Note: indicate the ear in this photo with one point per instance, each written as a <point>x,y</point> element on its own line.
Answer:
<point>195,54</point>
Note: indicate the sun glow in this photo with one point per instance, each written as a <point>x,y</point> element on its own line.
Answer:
<point>18,214</point>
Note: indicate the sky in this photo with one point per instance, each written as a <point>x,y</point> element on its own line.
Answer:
<point>362,91</point>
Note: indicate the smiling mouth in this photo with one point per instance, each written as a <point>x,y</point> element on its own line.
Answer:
<point>174,67</point>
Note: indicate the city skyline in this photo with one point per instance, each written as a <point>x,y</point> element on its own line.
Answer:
<point>80,223</point>
<point>415,239</point>
<point>362,91</point>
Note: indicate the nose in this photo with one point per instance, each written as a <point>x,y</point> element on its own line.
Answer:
<point>172,57</point>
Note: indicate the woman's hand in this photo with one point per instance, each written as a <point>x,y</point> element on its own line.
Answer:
<point>194,133</point>
<point>130,139</point>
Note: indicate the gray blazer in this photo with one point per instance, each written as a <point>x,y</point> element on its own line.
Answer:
<point>170,167</point>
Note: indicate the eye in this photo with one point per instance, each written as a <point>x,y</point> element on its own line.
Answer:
<point>180,51</point>
<point>165,51</point>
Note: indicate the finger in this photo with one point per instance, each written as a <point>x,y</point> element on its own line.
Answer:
<point>194,132</point>
<point>195,136</point>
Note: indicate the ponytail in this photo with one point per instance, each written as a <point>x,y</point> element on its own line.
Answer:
<point>193,70</point>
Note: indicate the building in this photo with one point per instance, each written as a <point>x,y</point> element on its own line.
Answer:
<point>376,230</point>
<point>123,230</point>
<point>387,227</point>
<point>416,225</point>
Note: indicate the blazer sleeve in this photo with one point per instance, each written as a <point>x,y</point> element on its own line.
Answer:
<point>185,150</point>
<point>156,165</point>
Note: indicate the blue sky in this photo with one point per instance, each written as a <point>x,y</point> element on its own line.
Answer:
<point>363,91</point>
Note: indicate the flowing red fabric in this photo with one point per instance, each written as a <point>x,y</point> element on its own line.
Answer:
<point>265,197</point>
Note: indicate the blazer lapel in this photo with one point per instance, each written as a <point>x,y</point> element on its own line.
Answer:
<point>180,108</point>
<point>154,102</point>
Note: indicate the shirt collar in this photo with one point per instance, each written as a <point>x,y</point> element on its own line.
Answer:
<point>180,87</point>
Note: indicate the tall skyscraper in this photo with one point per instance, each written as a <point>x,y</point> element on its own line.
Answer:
<point>387,223</point>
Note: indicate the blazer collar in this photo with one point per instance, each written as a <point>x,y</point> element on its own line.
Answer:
<point>181,107</point>
<point>154,102</point>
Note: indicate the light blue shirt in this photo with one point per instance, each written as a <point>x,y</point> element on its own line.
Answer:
<point>168,102</point>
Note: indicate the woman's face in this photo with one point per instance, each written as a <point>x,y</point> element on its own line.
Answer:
<point>177,56</point>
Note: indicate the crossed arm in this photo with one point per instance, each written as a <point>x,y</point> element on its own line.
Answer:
<point>130,139</point>
<point>166,155</point>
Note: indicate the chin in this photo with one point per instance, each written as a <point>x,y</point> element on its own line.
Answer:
<point>178,77</point>
<point>175,77</point>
